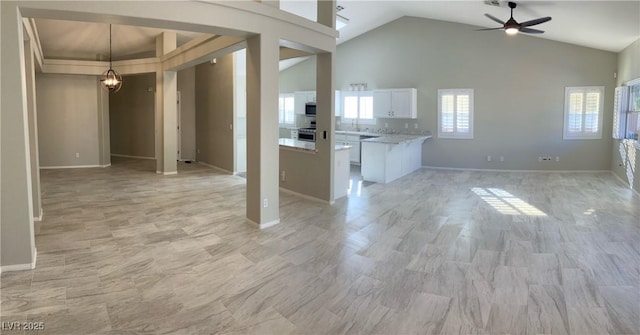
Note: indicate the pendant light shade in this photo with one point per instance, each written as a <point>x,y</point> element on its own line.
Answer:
<point>111,80</point>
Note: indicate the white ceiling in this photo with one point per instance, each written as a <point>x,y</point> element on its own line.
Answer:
<point>606,25</point>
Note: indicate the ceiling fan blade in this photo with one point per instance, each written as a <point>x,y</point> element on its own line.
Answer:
<point>531,31</point>
<point>536,21</point>
<point>489,29</point>
<point>494,18</point>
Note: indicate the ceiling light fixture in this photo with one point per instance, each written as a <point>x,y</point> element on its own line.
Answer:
<point>111,80</point>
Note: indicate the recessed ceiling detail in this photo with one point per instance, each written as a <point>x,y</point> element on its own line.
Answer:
<point>90,41</point>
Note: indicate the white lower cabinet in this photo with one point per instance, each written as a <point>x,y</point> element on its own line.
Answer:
<point>386,162</point>
<point>341,173</point>
<point>354,142</point>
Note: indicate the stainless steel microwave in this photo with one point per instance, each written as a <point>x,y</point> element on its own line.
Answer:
<point>310,109</point>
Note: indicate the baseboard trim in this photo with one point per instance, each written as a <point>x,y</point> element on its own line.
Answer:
<point>625,183</point>
<point>128,156</point>
<point>216,168</point>
<point>263,225</point>
<point>170,173</point>
<point>21,267</point>
<point>504,170</point>
<point>39,218</point>
<point>72,167</point>
<point>308,197</point>
<point>105,166</point>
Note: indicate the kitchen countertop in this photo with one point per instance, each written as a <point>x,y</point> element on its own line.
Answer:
<point>396,139</point>
<point>305,145</point>
<point>353,132</point>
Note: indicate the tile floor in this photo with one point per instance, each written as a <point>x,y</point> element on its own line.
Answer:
<point>122,250</point>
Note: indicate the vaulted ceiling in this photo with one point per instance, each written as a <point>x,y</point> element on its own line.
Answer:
<point>606,25</point>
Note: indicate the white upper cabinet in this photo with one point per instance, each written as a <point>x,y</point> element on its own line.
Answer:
<point>399,103</point>
<point>301,98</point>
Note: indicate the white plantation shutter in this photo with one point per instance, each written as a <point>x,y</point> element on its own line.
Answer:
<point>462,113</point>
<point>289,112</point>
<point>592,109</point>
<point>583,112</point>
<point>455,113</point>
<point>447,112</point>
<point>366,107</point>
<point>286,113</point>
<point>357,106</point>
<point>350,109</point>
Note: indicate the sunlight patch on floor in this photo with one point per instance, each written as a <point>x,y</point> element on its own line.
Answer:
<point>506,203</point>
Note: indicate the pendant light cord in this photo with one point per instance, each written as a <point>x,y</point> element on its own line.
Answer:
<point>110,66</point>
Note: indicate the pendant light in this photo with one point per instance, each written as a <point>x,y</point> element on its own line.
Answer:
<point>111,80</point>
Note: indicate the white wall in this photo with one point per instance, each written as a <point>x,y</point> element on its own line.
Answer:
<point>67,120</point>
<point>519,84</point>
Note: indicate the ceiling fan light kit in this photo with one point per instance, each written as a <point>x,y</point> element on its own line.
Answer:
<point>512,27</point>
<point>111,80</point>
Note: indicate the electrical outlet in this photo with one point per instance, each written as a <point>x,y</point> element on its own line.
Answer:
<point>415,125</point>
<point>502,158</point>
<point>265,203</point>
<point>619,164</point>
<point>406,125</point>
<point>488,158</point>
<point>283,176</point>
<point>557,158</point>
<point>539,158</point>
<point>77,155</point>
<point>198,150</point>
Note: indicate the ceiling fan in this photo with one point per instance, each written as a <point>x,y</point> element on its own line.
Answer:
<point>512,26</point>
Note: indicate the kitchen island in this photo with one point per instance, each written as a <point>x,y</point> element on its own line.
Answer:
<point>389,157</point>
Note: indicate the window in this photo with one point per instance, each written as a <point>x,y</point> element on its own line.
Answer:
<point>583,112</point>
<point>286,113</point>
<point>633,115</point>
<point>357,106</point>
<point>455,113</point>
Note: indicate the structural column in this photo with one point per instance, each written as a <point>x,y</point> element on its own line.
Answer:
<point>166,109</point>
<point>16,219</point>
<point>30,79</point>
<point>325,99</point>
<point>262,130</point>
<point>104,136</point>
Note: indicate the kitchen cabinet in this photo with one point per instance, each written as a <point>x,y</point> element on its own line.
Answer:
<point>385,161</point>
<point>301,98</point>
<point>398,103</point>
<point>353,141</point>
<point>341,173</point>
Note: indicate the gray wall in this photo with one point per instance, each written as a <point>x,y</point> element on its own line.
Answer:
<point>132,115</point>
<point>186,86</point>
<point>68,120</point>
<point>628,69</point>
<point>518,84</point>
<point>214,113</point>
